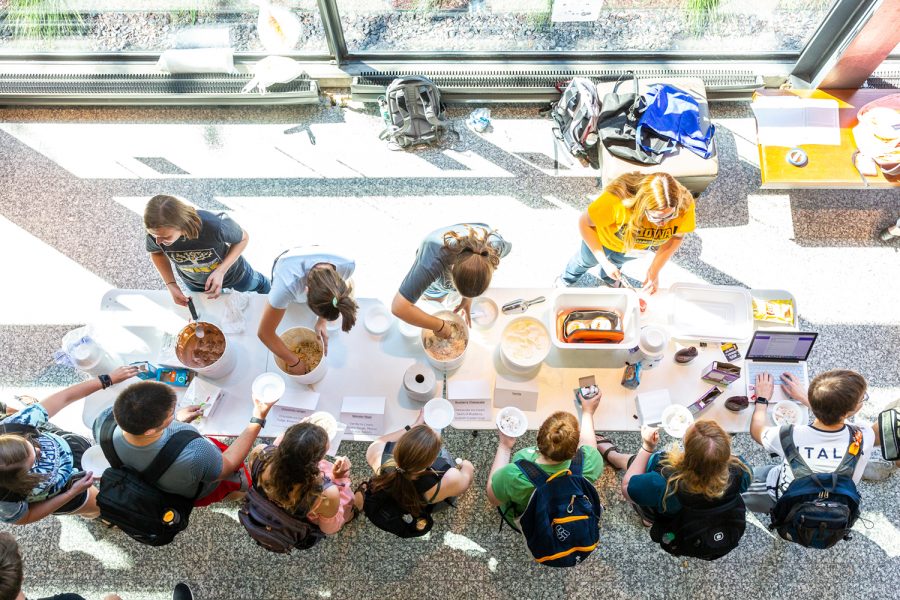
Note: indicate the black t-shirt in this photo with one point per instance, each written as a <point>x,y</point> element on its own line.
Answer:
<point>196,259</point>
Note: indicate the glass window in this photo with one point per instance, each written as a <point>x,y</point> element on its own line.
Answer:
<point>73,26</point>
<point>713,26</point>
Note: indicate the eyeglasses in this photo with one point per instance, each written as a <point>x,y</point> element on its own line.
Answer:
<point>658,219</point>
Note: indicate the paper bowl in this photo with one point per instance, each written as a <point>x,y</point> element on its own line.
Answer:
<point>409,331</point>
<point>268,387</point>
<point>324,420</point>
<point>438,413</point>
<point>512,413</point>
<point>487,312</point>
<point>378,320</point>
<point>787,413</point>
<point>676,419</point>
<point>94,460</point>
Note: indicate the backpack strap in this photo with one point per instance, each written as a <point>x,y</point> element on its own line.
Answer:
<point>18,429</point>
<point>848,464</point>
<point>106,441</point>
<point>577,464</point>
<point>798,466</point>
<point>534,473</point>
<point>169,454</point>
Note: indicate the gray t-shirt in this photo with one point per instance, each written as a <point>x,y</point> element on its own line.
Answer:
<point>200,461</point>
<point>434,260</point>
<point>292,268</point>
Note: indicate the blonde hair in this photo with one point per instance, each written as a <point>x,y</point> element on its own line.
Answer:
<point>558,437</point>
<point>329,297</point>
<point>475,260</point>
<point>169,211</point>
<point>704,466</point>
<point>640,193</point>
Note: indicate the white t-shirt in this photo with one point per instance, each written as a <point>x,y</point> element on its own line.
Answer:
<point>821,450</point>
<point>291,270</point>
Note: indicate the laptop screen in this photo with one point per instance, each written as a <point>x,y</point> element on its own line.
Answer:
<point>781,345</point>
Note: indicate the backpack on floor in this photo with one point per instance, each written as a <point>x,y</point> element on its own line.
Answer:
<point>561,523</point>
<point>413,112</point>
<point>818,509</point>
<point>271,526</point>
<point>130,500</point>
<point>703,531</point>
<point>575,115</point>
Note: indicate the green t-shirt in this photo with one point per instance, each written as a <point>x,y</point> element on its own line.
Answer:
<point>512,488</point>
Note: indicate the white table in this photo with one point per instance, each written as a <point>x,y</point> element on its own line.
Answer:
<point>360,364</point>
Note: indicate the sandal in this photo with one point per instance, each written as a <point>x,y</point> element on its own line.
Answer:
<point>602,439</point>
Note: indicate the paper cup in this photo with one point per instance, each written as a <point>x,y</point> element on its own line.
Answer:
<point>512,421</point>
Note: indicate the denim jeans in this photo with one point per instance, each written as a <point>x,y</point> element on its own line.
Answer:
<point>252,281</point>
<point>757,498</point>
<point>584,259</point>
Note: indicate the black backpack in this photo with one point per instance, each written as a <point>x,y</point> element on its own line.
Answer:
<point>271,526</point>
<point>818,509</point>
<point>384,512</point>
<point>129,499</point>
<point>701,530</point>
<point>413,112</point>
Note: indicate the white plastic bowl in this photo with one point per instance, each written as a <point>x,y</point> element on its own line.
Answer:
<point>676,419</point>
<point>378,320</point>
<point>507,351</point>
<point>291,338</point>
<point>94,460</point>
<point>438,413</point>
<point>268,387</point>
<point>512,411</point>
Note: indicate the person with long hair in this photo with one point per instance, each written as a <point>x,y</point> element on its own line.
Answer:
<point>40,464</point>
<point>294,474</point>
<point>635,214</point>
<point>459,259</point>
<point>559,438</point>
<point>205,248</point>
<point>412,468</point>
<point>703,474</point>
<point>315,277</point>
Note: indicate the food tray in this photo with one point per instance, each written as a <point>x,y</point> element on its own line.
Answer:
<point>623,300</point>
<point>775,295</point>
<point>710,313</point>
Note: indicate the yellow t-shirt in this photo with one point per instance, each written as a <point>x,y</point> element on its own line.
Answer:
<point>610,217</point>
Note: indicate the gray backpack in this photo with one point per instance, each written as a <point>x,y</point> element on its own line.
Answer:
<point>575,116</point>
<point>413,112</point>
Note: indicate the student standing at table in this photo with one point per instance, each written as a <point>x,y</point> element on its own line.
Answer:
<point>460,258</point>
<point>205,248</point>
<point>634,215</point>
<point>318,278</point>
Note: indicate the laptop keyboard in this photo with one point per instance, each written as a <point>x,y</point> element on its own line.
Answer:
<point>775,370</point>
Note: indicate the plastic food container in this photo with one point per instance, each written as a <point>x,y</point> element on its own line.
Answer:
<point>710,313</point>
<point>775,295</point>
<point>451,363</point>
<point>294,336</point>
<point>378,319</point>
<point>484,312</point>
<point>512,421</point>
<point>438,413</point>
<point>524,344</point>
<point>652,345</point>
<point>623,300</point>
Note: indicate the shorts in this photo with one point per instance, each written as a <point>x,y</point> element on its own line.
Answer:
<point>225,487</point>
<point>72,505</point>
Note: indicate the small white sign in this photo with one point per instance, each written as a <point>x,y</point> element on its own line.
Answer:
<point>292,408</point>
<point>364,415</point>
<point>575,10</point>
<point>521,394</point>
<point>471,400</point>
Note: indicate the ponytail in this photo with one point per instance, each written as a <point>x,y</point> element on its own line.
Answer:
<point>329,297</point>
<point>415,452</point>
<point>475,262</point>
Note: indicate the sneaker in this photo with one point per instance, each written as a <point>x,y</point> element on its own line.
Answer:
<point>182,592</point>
<point>878,470</point>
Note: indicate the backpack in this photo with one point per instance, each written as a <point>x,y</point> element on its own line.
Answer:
<point>129,499</point>
<point>673,114</point>
<point>561,523</point>
<point>818,509</point>
<point>384,512</point>
<point>271,526</point>
<point>700,530</point>
<point>575,116</point>
<point>413,112</point>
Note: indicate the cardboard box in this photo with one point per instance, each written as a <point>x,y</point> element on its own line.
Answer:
<point>721,373</point>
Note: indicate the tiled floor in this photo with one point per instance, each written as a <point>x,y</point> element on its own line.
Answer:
<point>74,183</point>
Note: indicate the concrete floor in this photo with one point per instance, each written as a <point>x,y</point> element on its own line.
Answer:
<point>74,182</point>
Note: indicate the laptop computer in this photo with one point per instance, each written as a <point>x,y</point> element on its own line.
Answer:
<point>777,352</point>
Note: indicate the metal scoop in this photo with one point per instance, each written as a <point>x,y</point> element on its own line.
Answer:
<point>519,305</point>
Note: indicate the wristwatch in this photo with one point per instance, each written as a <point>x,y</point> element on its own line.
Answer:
<point>261,422</point>
<point>761,400</point>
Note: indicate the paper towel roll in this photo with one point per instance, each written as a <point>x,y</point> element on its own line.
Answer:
<point>419,382</point>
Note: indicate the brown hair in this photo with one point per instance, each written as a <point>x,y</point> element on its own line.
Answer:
<point>329,297</point>
<point>640,193</point>
<point>558,437</point>
<point>835,394</point>
<point>169,211</point>
<point>291,471</point>
<point>704,466</point>
<point>15,473</point>
<point>10,567</point>
<point>475,260</point>
<point>415,451</point>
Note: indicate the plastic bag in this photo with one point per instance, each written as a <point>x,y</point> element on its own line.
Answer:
<point>479,119</point>
<point>272,70</point>
<point>235,305</point>
<point>278,28</point>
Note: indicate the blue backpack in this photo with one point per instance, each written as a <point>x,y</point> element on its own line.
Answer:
<point>818,509</point>
<point>674,115</point>
<point>561,523</point>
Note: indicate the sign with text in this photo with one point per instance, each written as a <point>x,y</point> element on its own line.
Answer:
<point>471,400</point>
<point>521,394</point>
<point>293,407</point>
<point>364,415</point>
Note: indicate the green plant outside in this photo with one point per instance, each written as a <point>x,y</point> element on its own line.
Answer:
<point>41,19</point>
<point>700,14</point>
